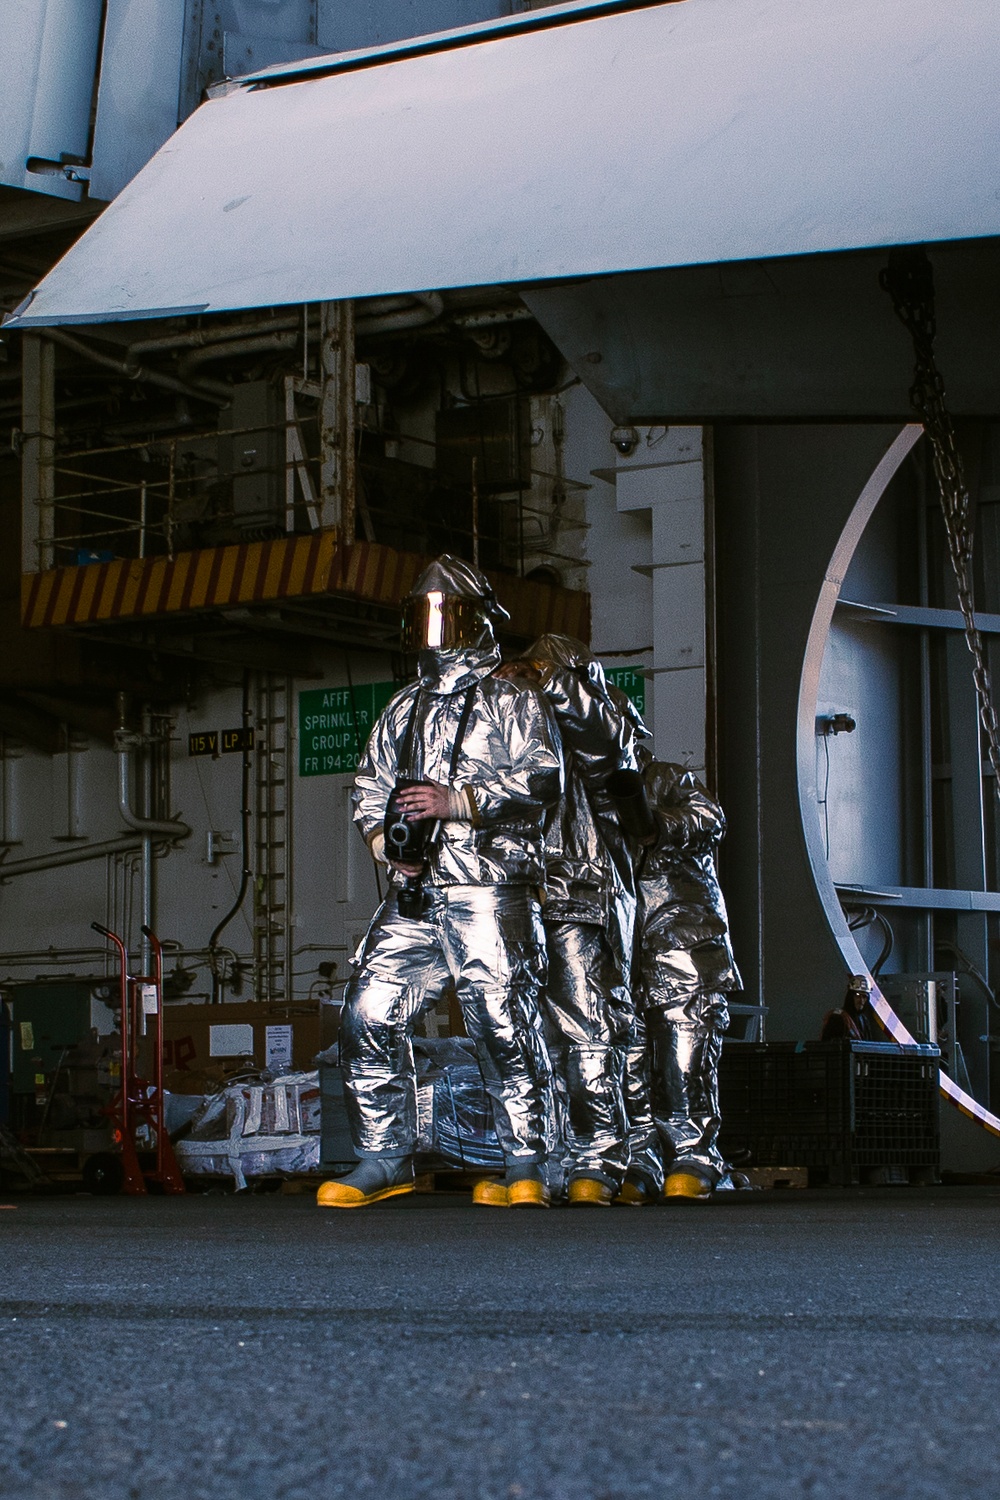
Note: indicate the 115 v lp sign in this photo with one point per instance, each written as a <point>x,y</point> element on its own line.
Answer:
<point>211,742</point>
<point>334,725</point>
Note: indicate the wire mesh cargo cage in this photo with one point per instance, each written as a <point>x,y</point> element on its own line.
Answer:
<point>836,1107</point>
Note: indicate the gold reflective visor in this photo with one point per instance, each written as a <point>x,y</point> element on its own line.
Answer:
<point>437,622</point>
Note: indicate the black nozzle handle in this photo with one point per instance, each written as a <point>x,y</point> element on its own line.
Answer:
<point>408,841</point>
<point>96,926</point>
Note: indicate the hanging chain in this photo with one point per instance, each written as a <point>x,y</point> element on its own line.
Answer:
<point>909,281</point>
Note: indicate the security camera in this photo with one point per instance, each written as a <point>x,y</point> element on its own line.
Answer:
<point>839,723</point>
<point>625,439</point>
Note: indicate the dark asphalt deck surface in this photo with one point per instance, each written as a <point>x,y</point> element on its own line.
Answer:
<point>823,1344</point>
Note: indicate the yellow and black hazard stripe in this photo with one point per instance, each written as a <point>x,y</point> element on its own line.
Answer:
<point>210,578</point>
<point>255,572</point>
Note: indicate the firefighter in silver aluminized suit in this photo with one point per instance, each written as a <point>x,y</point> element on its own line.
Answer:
<point>589,918</point>
<point>685,969</point>
<point>482,765</point>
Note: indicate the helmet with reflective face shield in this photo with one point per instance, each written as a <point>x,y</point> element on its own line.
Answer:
<point>450,607</point>
<point>437,621</point>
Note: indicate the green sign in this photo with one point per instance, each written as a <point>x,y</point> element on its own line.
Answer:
<point>334,725</point>
<point>631,684</point>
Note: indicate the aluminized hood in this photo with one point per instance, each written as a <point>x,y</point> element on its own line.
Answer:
<point>593,140</point>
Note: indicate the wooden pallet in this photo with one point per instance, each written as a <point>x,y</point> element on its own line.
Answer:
<point>777,1177</point>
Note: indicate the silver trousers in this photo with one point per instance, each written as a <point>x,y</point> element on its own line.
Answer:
<point>486,940</point>
<point>685,1040</point>
<point>645,1155</point>
<point>586,1009</point>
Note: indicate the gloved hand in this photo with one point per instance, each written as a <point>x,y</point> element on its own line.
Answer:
<point>431,799</point>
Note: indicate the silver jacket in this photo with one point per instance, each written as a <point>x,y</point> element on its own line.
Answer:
<point>589,873</point>
<point>683,928</point>
<point>510,766</point>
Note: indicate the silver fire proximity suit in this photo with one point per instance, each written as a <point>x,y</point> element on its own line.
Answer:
<point>589,918</point>
<point>481,928</point>
<point>685,968</point>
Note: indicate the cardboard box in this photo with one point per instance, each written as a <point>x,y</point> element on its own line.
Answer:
<point>203,1045</point>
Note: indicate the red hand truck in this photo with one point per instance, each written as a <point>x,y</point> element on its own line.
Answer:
<point>138,1101</point>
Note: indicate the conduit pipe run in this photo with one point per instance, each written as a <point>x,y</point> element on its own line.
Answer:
<point>246,873</point>
<point>493,317</point>
<point>162,829</point>
<point>233,348</point>
<point>125,742</point>
<point>384,315</point>
<point>201,338</point>
<point>72,856</point>
<point>213,391</point>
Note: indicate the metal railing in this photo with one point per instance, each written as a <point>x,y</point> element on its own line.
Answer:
<point>157,494</point>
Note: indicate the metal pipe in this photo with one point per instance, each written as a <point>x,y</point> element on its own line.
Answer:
<point>124,742</point>
<point>374,307</point>
<point>176,950</point>
<point>213,391</point>
<point>145,825</point>
<point>128,1145</point>
<point>51,955</point>
<point>147,842</point>
<point>200,338</point>
<point>246,873</point>
<point>926,728</point>
<point>429,309</point>
<point>499,317</point>
<point>173,949</point>
<point>142,430</point>
<point>152,942</point>
<point>158,828</point>
<point>38,475</point>
<point>72,856</point>
<point>337,418</point>
<point>258,345</point>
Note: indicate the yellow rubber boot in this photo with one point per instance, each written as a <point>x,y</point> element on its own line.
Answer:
<point>687,1186</point>
<point>633,1195</point>
<point>589,1192</point>
<point>342,1195</point>
<point>528,1194</point>
<point>490,1194</point>
<point>371,1181</point>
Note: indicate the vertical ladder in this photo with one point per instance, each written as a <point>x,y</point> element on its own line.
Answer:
<point>273,866</point>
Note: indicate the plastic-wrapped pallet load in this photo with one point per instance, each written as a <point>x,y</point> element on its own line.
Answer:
<point>255,1129</point>
<point>454,1111</point>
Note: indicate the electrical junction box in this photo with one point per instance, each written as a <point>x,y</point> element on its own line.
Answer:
<point>914,998</point>
<point>50,1017</point>
<point>252,454</point>
<point>488,439</point>
<point>925,1003</point>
